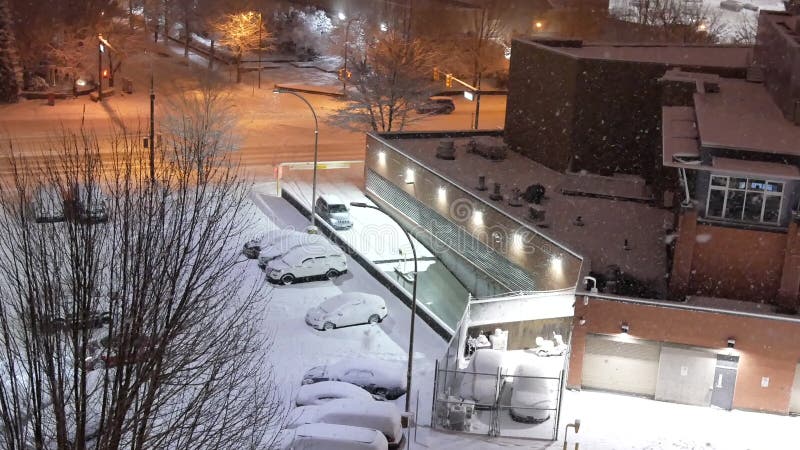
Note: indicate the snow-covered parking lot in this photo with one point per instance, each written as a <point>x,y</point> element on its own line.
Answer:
<point>609,421</point>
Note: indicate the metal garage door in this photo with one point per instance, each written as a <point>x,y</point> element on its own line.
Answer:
<point>686,375</point>
<point>615,365</point>
<point>794,401</point>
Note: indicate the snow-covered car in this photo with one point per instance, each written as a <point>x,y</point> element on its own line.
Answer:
<point>437,105</point>
<point>78,322</point>
<point>479,380</point>
<point>532,396</point>
<point>333,210</point>
<point>89,203</point>
<point>325,391</point>
<point>326,436</point>
<point>381,416</point>
<point>731,5</point>
<point>288,240</point>
<point>47,204</point>
<point>349,308</point>
<point>382,379</point>
<point>252,248</point>
<point>307,262</point>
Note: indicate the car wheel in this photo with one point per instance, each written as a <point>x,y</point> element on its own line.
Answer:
<point>381,393</point>
<point>373,319</point>
<point>331,274</point>
<point>287,279</point>
<point>328,326</point>
<point>448,110</point>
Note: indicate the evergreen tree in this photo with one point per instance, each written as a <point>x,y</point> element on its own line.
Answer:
<point>10,69</point>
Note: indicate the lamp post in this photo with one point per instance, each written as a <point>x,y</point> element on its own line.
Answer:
<point>413,300</point>
<point>260,26</point>
<point>316,153</point>
<point>99,67</point>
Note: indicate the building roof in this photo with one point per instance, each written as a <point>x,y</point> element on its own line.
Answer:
<point>672,54</point>
<point>607,222</point>
<point>742,116</point>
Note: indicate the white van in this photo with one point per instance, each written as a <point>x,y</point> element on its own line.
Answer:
<point>381,416</point>
<point>349,308</point>
<point>325,436</point>
<point>305,262</point>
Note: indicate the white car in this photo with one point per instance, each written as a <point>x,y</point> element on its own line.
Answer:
<point>48,204</point>
<point>325,391</point>
<point>281,244</point>
<point>382,379</point>
<point>326,436</point>
<point>349,308</point>
<point>306,262</point>
<point>381,416</point>
<point>534,398</point>
<point>479,380</point>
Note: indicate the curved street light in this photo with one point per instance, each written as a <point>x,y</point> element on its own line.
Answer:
<point>278,90</point>
<point>413,300</point>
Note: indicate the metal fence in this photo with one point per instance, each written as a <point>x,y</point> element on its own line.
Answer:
<point>497,404</point>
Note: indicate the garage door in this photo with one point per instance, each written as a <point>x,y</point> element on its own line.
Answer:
<point>615,365</point>
<point>686,375</point>
<point>794,401</point>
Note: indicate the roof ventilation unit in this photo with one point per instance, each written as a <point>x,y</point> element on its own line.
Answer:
<point>446,150</point>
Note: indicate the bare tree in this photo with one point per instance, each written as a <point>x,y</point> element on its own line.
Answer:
<point>242,33</point>
<point>745,30</point>
<point>142,332</point>
<point>688,21</point>
<point>391,77</point>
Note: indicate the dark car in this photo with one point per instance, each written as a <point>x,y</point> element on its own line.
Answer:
<point>78,322</point>
<point>252,248</point>
<point>383,379</point>
<point>437,105</point>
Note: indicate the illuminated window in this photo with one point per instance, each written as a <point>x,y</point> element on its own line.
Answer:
<point>744,199</point>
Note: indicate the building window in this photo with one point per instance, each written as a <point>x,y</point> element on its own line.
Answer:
<point>744,199</point>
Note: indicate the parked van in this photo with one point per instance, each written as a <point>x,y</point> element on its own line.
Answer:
<point>325,436</point>
<point>307,262</point>
<point>334,211</point>
<point>381,416</point>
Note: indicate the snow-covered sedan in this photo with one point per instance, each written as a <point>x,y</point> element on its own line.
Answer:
<point>48,204</point>
<point>382,379</point>
<point>349,308</point>
<point>307,262</point>
<point>325,391</point>
<point>326,436</point>
<point>275,245</point>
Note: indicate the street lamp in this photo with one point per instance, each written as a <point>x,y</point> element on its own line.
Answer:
<point>278,90</point>
<point>413,300</point>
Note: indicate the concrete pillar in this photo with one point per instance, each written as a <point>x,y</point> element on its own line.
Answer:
<point>684,253</point>
<point>790,275</point>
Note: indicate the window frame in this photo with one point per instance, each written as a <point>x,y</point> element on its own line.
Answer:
<point>726,189</point>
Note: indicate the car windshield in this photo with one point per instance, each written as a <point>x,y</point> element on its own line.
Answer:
<point>337,208</point>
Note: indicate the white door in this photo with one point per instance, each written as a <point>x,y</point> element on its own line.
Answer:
<point>794,400</point>
<point>621,364</point>
<point>307,268</point>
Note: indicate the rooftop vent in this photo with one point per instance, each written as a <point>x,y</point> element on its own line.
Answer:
<point>488,147</point>
<point>496,195</point>
<point>515,199</point>
<point>481,183</point>
<point>446,150</point>
<point>755,74</point>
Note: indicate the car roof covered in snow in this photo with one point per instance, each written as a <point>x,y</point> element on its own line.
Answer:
<point>300,253</point>
<point>351,297</point>
<point>310,393</point>
<point>387,373</point>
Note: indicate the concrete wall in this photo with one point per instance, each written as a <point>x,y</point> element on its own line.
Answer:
<point>767,348</point>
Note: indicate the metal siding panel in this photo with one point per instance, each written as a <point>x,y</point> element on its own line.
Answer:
<point>630,367</point>
<point>794,400</point>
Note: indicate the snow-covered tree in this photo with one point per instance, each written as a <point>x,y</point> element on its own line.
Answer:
<point>305,32</point>
<point>143,332</point>
<point>686,21</point>
<point>10,69</point>
<point>242,33</point>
